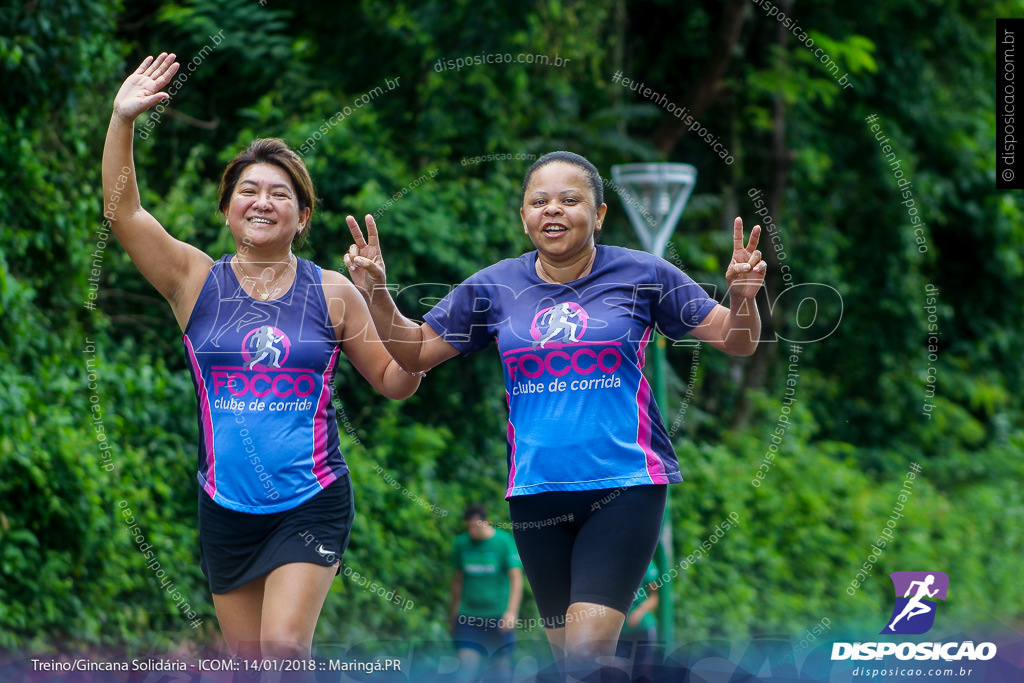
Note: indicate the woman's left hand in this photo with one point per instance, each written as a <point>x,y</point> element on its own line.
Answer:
<point>363,260</point>
<point>746,271</point>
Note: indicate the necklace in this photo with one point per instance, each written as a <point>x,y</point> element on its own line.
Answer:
<point>267,291</point>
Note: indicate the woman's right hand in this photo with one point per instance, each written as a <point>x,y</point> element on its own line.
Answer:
<point>141,90</point>
<point>363,260</point>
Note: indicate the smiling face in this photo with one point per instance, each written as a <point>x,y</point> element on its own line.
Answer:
<point>263,209</point>
<point>560,213</point>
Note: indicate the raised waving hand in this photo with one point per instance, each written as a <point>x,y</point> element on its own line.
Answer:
<point>177,270</point>
<point>746,271</point>
<point>363,260</point>
<point>142,89</point>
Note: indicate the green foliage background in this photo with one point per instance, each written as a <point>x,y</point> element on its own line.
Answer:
<point>70,574</point>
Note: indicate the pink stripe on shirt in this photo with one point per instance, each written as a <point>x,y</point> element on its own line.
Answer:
<point>321,470</point>
<point>655,467</point>
<point>206,420</point>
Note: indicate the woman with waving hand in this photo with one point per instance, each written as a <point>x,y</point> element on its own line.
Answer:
<point>263,330</point>
<point>589,458</point>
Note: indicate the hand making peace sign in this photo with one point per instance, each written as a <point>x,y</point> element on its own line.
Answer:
<point>141,90</point>
<point>363,260</point>
<point>746,271</point>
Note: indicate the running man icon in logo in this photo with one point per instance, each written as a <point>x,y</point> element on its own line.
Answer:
<point>559,320</point>
<point>262,340</point>
<point>915,614</point>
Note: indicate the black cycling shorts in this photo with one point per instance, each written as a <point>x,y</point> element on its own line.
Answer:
<point>587,546</point>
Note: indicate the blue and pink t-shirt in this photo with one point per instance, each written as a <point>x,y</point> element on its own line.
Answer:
<point>581,413</point>
<point>262,370</point>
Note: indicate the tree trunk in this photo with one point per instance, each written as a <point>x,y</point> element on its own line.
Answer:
<point>759,365</point>
<point>704,93</point>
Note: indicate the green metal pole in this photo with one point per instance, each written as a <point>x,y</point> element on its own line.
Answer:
<point>663,553</point>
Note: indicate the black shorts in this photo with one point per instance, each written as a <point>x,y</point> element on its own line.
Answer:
<point>587,546</point>
<point>484,636</point>
<point>237,547</point>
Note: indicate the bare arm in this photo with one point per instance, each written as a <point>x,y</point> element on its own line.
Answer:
<point>359,340</point>
<point>174,268</point>
<point>453,610</point>
<point>515,596</point>
<point>645,607</point>
<point>737,329</point>
<point>417,348</point>
<point>734,330</point>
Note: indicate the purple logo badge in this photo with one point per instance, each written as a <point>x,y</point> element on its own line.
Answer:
<point>916,596</point>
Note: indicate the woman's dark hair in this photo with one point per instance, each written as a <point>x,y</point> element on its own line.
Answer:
<point>273,151</point>
<point>593,177</point>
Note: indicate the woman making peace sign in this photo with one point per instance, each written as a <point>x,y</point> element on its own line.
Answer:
<point>263,330</point>
<point>588,456</point>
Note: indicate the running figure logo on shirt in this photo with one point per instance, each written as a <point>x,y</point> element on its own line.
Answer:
<point>914,612</point>
<point>567,320</point>
<point>261,346</point>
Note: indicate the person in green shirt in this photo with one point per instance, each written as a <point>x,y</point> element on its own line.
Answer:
<point>640,632</point>
<point>486,591</point>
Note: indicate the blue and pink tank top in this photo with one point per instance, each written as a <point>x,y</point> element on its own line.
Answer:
<point>262,370</point>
